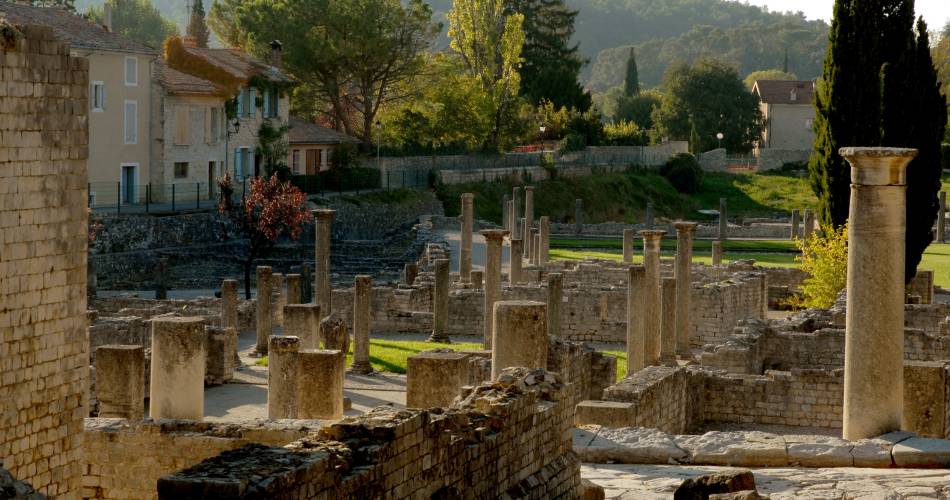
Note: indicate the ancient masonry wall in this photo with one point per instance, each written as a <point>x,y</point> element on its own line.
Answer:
<point>665,398</point>
<point>512,440</point>
<point>43,240</point>
<point>125,459</point>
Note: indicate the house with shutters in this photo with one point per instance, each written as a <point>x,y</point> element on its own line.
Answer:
<point>788,114</point>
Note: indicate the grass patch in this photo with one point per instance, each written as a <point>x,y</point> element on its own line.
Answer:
<point>771,259</point>
<point>669,244</point>
<point>391,355</point>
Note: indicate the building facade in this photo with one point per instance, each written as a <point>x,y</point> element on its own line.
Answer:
<point>788,114</point>
<point>312,146</point>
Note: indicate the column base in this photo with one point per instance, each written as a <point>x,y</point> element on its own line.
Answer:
<point>439,339</point>
<point>667,360</point>
<point>361,368</point>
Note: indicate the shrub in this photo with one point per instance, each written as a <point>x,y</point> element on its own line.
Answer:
<point>825,258</point>
<point>570,143</point>
<point>624,133</point>
<point>346,155</point>
<point>684,173</point>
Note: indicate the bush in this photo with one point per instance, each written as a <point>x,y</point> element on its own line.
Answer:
<point>684,173</point>
<point>624,133</point>
<point>346,155</point>
<point>571,142</point>
<point>825,259</point>
<point>348,179</point>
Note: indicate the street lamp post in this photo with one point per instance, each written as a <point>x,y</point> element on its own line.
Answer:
<point>719,136</point>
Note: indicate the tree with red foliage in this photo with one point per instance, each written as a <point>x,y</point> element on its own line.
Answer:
<point>273,209</point>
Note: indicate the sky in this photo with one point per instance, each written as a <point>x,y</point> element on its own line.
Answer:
<point>935,12</point>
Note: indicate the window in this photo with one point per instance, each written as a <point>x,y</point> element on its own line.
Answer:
<point>181,169</point>
<point>271,99</point>
<point>246,104</point>
<point>131,122</point>
<point>296,161</point>
<point>97,96</point>
<point>181,126</point>
<point>243,163</point>
<point>214,125</point>
<point>131,72</point>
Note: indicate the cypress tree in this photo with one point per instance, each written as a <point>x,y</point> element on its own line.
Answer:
<point>631,84</point>
<point>197,27</point>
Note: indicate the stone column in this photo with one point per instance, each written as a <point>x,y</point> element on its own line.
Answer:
<point>280,297</point>
<point>303,321</point>
<point>177,373</point>
<point>323,219</point>
<point>716,253</point>
<point>320,384</point>
<point>942,218</point>
<point>516,214</point>
<point>723,221</point>
<point>293,289</point>
<point>535,243</point>
<point>510,221</point>
<point>505,215</point>
<point>684,281</point>
<point>628,235</point>
<point>635,313</point>
<point>555,296</point>
<point>514,262</point>
<point>668,320</point>
<point>545,227</point>
<point>440,303</point>
<point>265,312</point>
<point>363,320</point>
<point>229,310</point>
<point>120,381</point>
<point>795,224</point>
<point>519,336</point>
<point>579,216</point>
<point>465,253</point>
<point>649,218</point>
<point>493,239</point>
<point>529,219</point>
<point>282,373</point>
<point>478,279</point>
<point>409,272</point>
<point>874,331</point>
<point>651,295</point>
<point>306,283</point>
<point>809,223</point>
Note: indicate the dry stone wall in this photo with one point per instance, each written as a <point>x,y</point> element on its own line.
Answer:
<point>43,240</point>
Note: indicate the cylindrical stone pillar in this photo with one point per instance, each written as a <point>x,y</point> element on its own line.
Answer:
<point>280,297</point>
<point>529,220</point>
<point>293,289</point>
<point>545,228</point>
<point>477,279</point>
<point>555,296</point>
<point>320,384</point>
<point>265,308</point>
<point>323,220</point>
<point>493,240</point>
<point>520,336</point>
<point>649,217</point>
<point>942,218</point>
<point>465,252</point>
<point>120,381</point>
<point>668,320</point>
<point>716,253</point>
<point>579,216</point>
<point>229,310</point>
<point>533,251</point>
<point>651,295</point>
<point>362,321</point>
<point>635,313</point>
<point>874,324</point>
<point>809,224</point>
<point>440,303</point>
<point>177,372</point>
<point>723,221</point>
<point>795,224</point>
<point>516,213</point>
<point>684,280</point>
<point>505,215</point>
<point>514,262</point>
<point>628,235</point>
<point>409,272</point>
<point>282,373</point>
<point>511,217</point>
<point>303,321</point>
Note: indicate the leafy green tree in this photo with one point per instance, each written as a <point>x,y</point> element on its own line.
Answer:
<point>631,81</point>
<point>138,20</point>
<point>709,96</point>
<point>639,109</point>
<point>490,42</point>
<point>197,27</point>
<point>824,257</point>
<point>273,147</point>
<point>876,42</point>
<point>353,56</point>
<point>767,74</point>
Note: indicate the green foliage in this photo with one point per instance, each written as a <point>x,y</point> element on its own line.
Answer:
<point>137,20</point>
<point>624,133</point>
<point>631,81</point>
<point>639,109</point>
<point>555,119</point>
<point>588,125</point>
<point>345,156</point>
<point>825,258</point>
<point>684,173</point>
<point>272,147</point>
<point>945,153</point>
<point>338,179</point>
<point>767,74</point>
<point>710,96</point>
<point>571,142</point>
<point>197,27</point>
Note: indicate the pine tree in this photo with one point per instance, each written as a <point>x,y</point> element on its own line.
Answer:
<point>197,27</point>
<point>631,84</point>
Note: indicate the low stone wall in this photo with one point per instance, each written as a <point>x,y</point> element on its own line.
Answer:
<point>771,159</point>
<point>665,398</point>
<point>125,459</point>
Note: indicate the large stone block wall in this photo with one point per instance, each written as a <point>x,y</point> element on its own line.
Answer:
<point>43,241</point>
<point>666,398</point>
<point>125,459</point>
<point>716,308</point>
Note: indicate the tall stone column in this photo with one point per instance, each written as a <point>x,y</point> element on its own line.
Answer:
<point>493,240</point>
<point>440,303</point>
<point>177,372</point>
<point>229,310</point>
<point>942,218</point>
<point>628,235</point>
<point>668,320</point>
<point>545,228</point>
<point>478,279</point>
<point>293,289</point>
<point>795,224</point>
<point>809,224</point>
<point>265,314</point>
<point>716,253</point>
<point>511,217</point>
<point>649,217</point>
<point>635,354</point>
<point>651,295</point>
<point>529,219</point>
<point>514,262</point>
<point>282,372</point>
<point>579,216</point>
<point>723,220</point>
<point>519,336</point>
<point>322,293</point>
<point>320,384</point>
<point>555,296</point>
<point>684,280</point>
<point>505,215</point>
<point>279,285</point>
<point>362,322</point>
<point>465,253</point>
<point>874,324</point>
<point>120,381</point>
<point>533,251</point>
<point>516,215</point>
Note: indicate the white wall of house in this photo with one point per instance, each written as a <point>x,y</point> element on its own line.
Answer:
<point>788,126</point>
<point>250,114</point>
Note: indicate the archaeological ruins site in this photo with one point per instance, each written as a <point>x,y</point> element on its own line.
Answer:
<point>116,386</point>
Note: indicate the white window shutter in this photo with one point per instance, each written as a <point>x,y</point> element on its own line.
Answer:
<point>240,103</point>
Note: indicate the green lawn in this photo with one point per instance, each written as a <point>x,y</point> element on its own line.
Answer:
<point>390,355</point>
<point>772,259</point>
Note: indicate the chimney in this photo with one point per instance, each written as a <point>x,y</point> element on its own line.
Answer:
<point>189,41</point>
<point>107,16</point>
<point>276,58</point>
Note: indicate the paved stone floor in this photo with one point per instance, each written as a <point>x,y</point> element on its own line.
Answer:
<point>638,482</point>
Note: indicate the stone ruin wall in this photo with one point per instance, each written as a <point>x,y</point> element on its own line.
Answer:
<point>43,238</point>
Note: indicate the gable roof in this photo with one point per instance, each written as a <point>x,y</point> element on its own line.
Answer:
<point>306,132</point>
<point>79,33</point>
<point>781,91</point>
<point>240,64</point>
<point>177,83</point>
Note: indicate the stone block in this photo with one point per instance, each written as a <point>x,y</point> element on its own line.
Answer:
<point>922,452</point>
<point>745,449</point>
<point>320,384</point>
<point>925,385</point>
<point>819,451</point>
<point>631,445</point>
<point>435,378</point>
<point>605,413</point>
<point>120,381</point>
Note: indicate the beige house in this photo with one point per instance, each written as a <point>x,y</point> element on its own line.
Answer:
<point>311,146</point>
<point>120,79</point>
<point>788,114</point>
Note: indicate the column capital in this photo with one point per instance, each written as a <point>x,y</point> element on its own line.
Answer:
<point>283,344</point>
<point>323,214</point>
<point>468,196</point>
<point>494,235</point>
<point>684,227</point>
<point>652,234</point>
<point>529,188</point>
<point>878,166</point>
